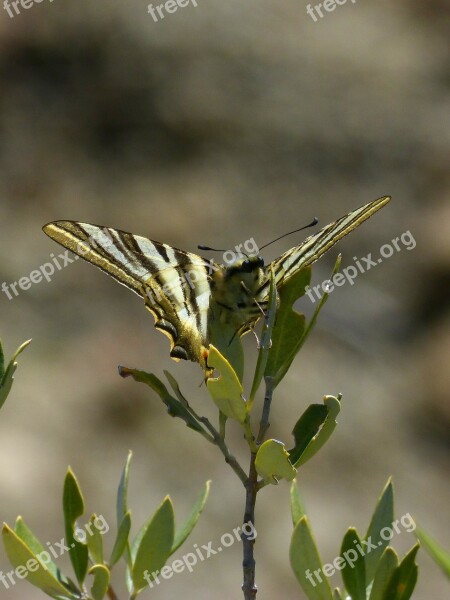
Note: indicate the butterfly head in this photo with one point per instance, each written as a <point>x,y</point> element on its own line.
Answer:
<point>249,269</point>
<point>248,264</point>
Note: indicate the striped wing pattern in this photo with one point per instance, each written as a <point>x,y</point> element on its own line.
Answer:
<point>317,244</point>
<point>174,284</point>
<point>178,287</point>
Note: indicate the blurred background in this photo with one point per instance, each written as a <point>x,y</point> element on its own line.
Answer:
<point>216,124</point>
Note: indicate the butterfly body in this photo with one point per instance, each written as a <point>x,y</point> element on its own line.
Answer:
<point>187,294</point>
<point>235,290</point>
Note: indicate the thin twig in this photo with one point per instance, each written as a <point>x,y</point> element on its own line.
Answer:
<point>111,594</point>
<point>198,418</point>
<point>220,443</point>
<point>264,423</point>
<point>222,424</point>
<point>248,563</point>
<point>252,487</point>
<point>249,435</point>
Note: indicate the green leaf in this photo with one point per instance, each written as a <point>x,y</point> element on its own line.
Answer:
<point>94,541</point>
<point>266,339</point>
<point>333,406</point>
<point>7,377</point>
<point>177,391</point>
<point>272,462</point>
<point>404,579</point>
<point>121,542</point>
<point>192,519</point>
<point>306,563</point>
<point>174,407</point>
<point>385,570</point>
<point>33,567</point>
<point>73,507</point>
<point>289,327</point>
<point>27,536</point>
<point>223,337</point>
<point>354,572</point>
<point>129,583</point>
<point>2,362</point>
<point>321,304</point>
<point>122,491</point>
<point>153,544</point>
<point>440,556</point>
<point>383,516</point>
<point>290,332</point>
<point>297,507</point>
<point>306,428</point>
<point>176,388</point>
<point>226,389</point>
<point>122,507</point>
<point>100,584</point>
<point>31,541</point>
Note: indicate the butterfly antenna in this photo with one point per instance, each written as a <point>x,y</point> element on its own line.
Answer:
<point>313,222</point>
<point>202,247</point>
<point>233,336</point>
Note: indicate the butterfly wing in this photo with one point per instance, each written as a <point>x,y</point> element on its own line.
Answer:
<point>174,284</point>
<point>317,244</point>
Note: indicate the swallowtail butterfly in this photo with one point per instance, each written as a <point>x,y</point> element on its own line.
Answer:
<point>183,290</point>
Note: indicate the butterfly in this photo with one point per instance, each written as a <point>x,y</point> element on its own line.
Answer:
<point>186,292</point>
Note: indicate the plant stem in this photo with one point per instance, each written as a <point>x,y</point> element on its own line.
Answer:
<point>264,423</point>
<point>220,443</point>
<point>111,594</point>
<point>249,435</point>
<point>251,488</point>
<point>248,564</point>
<point>199,418</point>
<point>222,424</point>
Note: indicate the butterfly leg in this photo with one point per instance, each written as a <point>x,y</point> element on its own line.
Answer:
<point>258,343</point>
<point>254,299</point>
